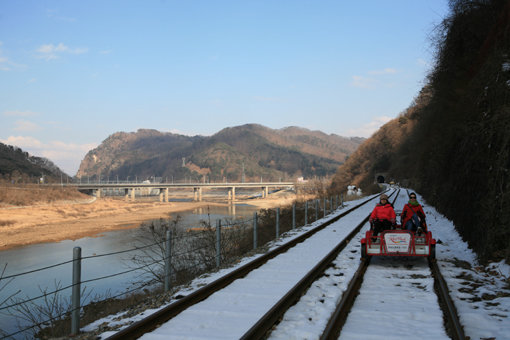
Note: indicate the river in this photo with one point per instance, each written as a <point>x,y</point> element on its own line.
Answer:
<point>33,257</point>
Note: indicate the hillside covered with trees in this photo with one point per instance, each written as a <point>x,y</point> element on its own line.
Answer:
<point>251,152</point>
<point>17,166</point>
<point>452,144</point>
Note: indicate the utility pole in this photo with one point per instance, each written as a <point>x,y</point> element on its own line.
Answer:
<point>242,176</point>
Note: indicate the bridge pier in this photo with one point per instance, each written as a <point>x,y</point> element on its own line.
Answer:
<point>232,209</point>
<point>126,194</point>
<point>166,195</point>
<point>133,194</point>
<point>197,194</point>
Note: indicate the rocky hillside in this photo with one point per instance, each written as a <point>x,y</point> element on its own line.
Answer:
<point>18,166</point>
<point>453,144</point>
<point>251,151</point>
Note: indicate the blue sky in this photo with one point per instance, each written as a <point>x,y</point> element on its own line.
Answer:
<point>74,72</point>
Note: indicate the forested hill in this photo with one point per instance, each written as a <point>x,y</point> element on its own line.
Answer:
<point>17,166</point>
<point>453,144</point>
<point>251,151</point>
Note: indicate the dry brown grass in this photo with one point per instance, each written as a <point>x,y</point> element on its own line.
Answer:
<point>6,222</point>
<point>32,194</point>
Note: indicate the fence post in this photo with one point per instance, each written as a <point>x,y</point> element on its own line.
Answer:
<point>168,260</point>
<point>306,212</point>
<point>336,201</point>
<point>255,230</point>
<point>293,215</point>
<point>331,204</point>
<point>75,307</point>
<point>324,206</point>
<point>277,222</point>
<point>342,196</point>
<point>218,242</point>
<point>316,209</point>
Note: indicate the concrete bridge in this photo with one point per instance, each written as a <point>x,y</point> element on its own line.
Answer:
<point>130,189</point>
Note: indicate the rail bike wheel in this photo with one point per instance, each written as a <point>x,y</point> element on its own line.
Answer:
<point>432,250</point>
<point>364,251</point>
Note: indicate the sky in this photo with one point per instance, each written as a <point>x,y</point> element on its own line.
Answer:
<point>74,72</point>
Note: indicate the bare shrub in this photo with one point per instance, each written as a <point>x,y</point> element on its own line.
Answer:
<point>50,318</point>
<point>192,252</point>
<point>3,284</point>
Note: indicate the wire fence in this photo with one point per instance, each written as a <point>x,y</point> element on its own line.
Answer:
<point>166,254</point>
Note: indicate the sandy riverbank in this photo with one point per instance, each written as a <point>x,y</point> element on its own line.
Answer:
<point>65,220</point>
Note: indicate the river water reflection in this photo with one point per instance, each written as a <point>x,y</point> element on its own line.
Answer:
<point>25,259</point>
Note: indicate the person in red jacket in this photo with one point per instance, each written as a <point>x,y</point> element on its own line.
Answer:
<point>383,216</point>
<point>412,216</point>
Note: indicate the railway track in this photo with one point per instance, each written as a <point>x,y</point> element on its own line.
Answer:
<point>151,322</point>
<point>256,318</point>
<point>339,317</point>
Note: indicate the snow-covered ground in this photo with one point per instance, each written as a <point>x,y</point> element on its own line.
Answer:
<point>481,295</point>
<point>396,299</point>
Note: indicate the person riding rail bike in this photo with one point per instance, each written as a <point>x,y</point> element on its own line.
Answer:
<point>413,217</point>
<point>383,216</point>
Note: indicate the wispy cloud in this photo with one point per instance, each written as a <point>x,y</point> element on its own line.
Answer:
<point>383,71</point>
<point>3,60</point>
<point>19,113</point>
<point>373,80</point>
<point>368,129</point>
<point>22,142</point>
<point>66,155</point>
<point>54,14</point>
<point>50,51</point>
<point>363,82</point>
<point>6,64</point>
<point>25,126</point>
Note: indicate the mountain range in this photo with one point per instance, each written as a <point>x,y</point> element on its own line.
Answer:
<point>249,152</point>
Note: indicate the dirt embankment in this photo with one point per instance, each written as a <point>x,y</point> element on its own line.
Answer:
<point>70,220</point>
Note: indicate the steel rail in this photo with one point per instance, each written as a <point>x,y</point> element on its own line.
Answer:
<point>335,324</point>
<point>339,316</point>
<point>154,320</point>
<point>453,325</point>
<point>261,327</point>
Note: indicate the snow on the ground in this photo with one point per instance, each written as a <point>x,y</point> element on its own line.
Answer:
<point>118,320</point>
<point>232,311</point>
<point>481,295</point>
<point>396,299</point>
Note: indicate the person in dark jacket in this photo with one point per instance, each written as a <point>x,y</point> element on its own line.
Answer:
<point>383,216</point>
<point>413,217</point>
